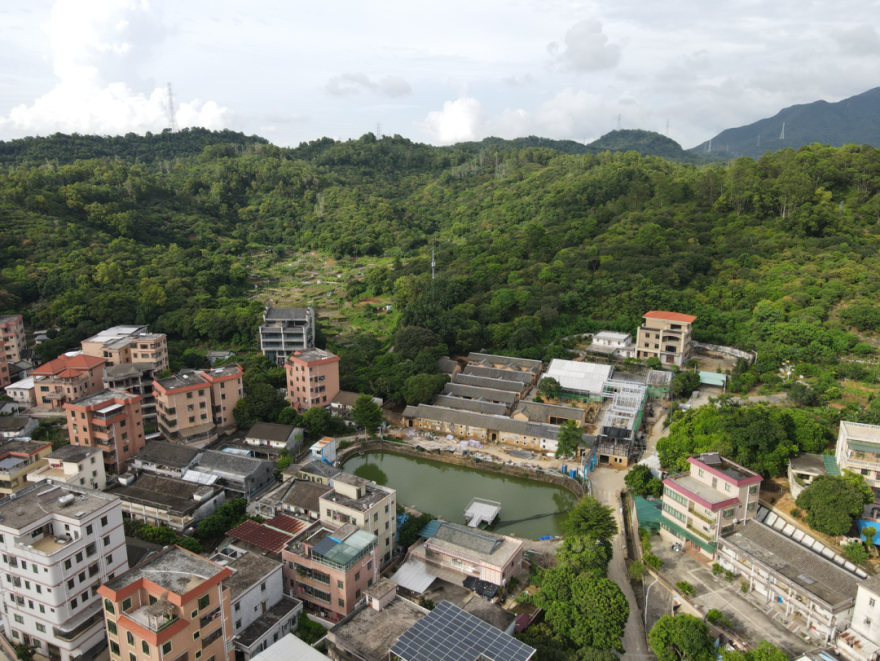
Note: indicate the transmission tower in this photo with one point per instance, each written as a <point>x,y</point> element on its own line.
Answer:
<point>172,120</point>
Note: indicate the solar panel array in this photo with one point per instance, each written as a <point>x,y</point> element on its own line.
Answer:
<point>448,633</point>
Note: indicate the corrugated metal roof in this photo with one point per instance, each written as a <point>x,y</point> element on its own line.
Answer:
<point>579,377</point>
<point>712,379</point>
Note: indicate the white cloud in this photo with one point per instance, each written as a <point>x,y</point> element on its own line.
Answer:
<point>569,115</point>
<point>518,81</point>
<point>97,47</point>
<point>587,48</point>
<point>354,83</point>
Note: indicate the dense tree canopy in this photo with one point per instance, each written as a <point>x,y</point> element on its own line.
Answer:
<point>832,502</point>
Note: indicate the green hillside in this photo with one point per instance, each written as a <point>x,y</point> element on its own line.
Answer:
<point>855,120</point>
<point>532,245</point>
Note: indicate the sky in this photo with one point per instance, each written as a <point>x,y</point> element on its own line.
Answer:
<point>294,71</point>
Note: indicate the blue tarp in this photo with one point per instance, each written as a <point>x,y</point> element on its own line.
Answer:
<point>871,524</point>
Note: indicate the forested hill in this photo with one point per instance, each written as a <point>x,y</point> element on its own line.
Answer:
<point>855,120</point>
<point>646,143</point>
<point>63,149</point>
<point>779,255</point>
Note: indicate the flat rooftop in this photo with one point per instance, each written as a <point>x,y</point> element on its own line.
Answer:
<point>860,431</point>
<point>287,607</point>
<point>370,634</point>
<point>489,547</point>
<point>182,381</point>
<point>175,570</point>
<point>102,397</point>
<point>250,569</point>
<point>812,464</point>
<point>270,431</point>
<point>715,462</point>
<point>33,503</point>
<point>73,453</point>
<point>312,355</point>
<point>167,454</point>
<point>810,571</point>
<point>373,495</point>
<point>165,493</point>
<point>704,491</point>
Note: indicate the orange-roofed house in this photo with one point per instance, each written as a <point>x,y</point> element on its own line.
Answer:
<point>312,378</point>
<point>111,420</point>
<point>171,607</point>
<point>665,335</point>
<point>68,377</point>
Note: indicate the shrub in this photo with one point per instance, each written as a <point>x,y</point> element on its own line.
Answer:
<point>796,512</point>
<point>744,587</point>
<point>855,552</point>
<point>729,575</point>
<point>716,617</point>
<point>717,569</point>
<point>637,570</point>
<point>653,561</point>
<point>686,588</point>
<point>310,632</point>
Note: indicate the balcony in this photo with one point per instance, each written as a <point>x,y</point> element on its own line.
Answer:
<point>702,534</point>
<point>692,510</point>
<point>156,617</point>
<point>205,620</point>
<point>76,627</point>
<point>211,637</point>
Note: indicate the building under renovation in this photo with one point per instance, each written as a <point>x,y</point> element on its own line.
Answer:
<point>618,441</point>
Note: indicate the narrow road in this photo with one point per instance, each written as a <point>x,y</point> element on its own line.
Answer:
<point>607,484</point>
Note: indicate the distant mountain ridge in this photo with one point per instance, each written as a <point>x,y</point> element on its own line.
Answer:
<point>852,120</point>
<point>647,143</point>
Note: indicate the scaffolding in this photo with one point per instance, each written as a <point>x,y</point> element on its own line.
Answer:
<point>627,404</point>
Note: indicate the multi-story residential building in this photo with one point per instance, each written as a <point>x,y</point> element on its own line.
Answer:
<point>167,501</point>
<point>811,593</point>
<point>23,392</point>
<point>137,379</point>
<point>73,464</point>
<point>858,450</point>
<point>312,378</point>
<point>168,459</point>
<point>121,345</point>
<point>613,345</point>
<point>12,335</point>
<point>195,407</point>
<point>329,567</point>
<point>70,376</point>
<point>472,552</point>
<point>110,420</point>
<point>19,458</point>
<point>665,335</point>
<point>261,613</point>
<point>715,498</point>
<point>5,377</point>
<point>368,506</point>
<point>285,330</point>
<point>59,543</point>
<point>171,607</point>
<point>861,642</point>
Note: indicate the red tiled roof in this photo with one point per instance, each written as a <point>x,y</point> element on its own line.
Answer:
<point>287,524</point>
<point>260,536</point>
<point>670,316</point>
<point>63,364</point>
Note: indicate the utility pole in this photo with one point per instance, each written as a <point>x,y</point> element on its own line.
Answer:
<point>172,120</point>
<point>433,262</point>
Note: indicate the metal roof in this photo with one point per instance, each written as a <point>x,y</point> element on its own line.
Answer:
<point>497,373</point>
<point>712,379</point>
<point>580,377</point>
<point>475,392</point>
<point>485,382</point>
<point>260,536</point>
<point>449,633</point>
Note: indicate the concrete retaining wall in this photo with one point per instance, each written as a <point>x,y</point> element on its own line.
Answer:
<point>726,351</point>
<point>558,480</point>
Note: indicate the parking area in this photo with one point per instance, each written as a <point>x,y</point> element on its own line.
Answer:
<point>748,619</point>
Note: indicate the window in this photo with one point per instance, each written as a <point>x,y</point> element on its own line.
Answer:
<point>82,578</point>
<point>727,486</point>
<point>111,627</point>
<point>357,576</point>
<point>79,557</point>
<point>702,473</point>
<point>868,621</point>
<point>129,637</point>
<point>132,657</point>
<point>41,628</point>
<point>198,654</point>
<point>263,587</point>
<point>153,600</point>
<point>370,565</point>
<point>68,564</point>
<point>375,516</point>
<point>103,521</point>
<point>108,606</point>
<point>727,513</point>
<point>196,635</point>
<point>342,603</point>
<point>126,604</point>
<point>114,648</point>
<point>19,619</point>
<point>195,613</point>
<point>237,608</point>
<point>204,601</point>
<point>357,595</point>
<point>110,559</point>
<point>751,507</point>
<point>753,489</point>
<point>674,512</point>
<point>73,603</point>
<point>238,624</point>
<point>166,648</point>
<point>145,647</point>
<point>677,497</point>
<point>43,608</point>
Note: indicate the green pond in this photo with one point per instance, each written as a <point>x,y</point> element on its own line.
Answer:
<point>445,490</point>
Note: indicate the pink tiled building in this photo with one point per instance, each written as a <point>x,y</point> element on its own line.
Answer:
<point>110,420</point>
<point>68,377</point>
<point>312,378</point>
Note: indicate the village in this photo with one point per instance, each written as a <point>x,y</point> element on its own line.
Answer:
<point>264,535</point>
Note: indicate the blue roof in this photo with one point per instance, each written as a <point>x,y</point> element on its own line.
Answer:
<point>430,530</point>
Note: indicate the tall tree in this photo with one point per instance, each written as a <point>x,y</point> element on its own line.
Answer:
<point>569,438</point>
<point>591,519</point>
<point>674,638</point>
<point>366,413</point>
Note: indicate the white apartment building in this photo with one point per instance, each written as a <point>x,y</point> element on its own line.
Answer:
<point>73,464</point>
<point>59,543</point>
<point>858,450</point>
<point>366,505</point>
<point>861,641</point>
